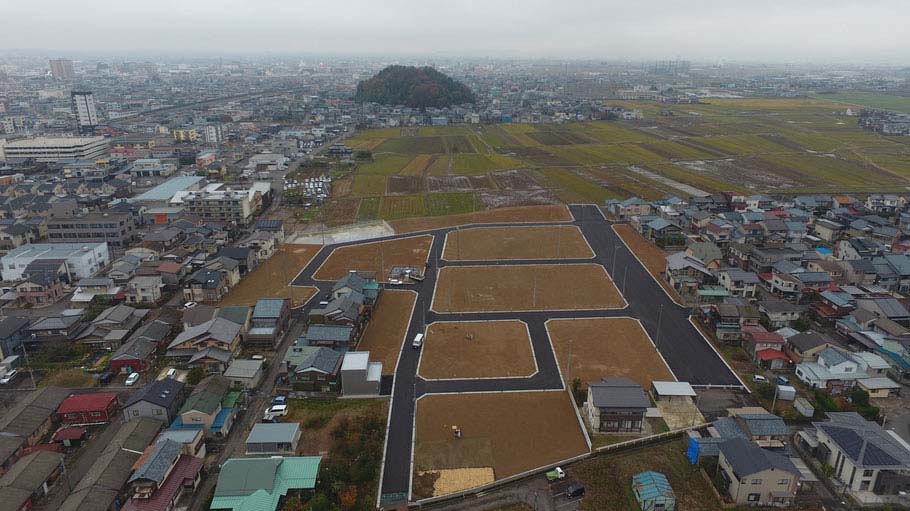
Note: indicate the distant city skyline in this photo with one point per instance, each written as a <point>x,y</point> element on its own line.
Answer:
<point>708,30</point>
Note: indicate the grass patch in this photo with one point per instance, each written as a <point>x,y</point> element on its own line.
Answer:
<point>473,164</point>
<point>69,378</point>
<point>404,206</point>
<point>385,165</point>
<point>572,188</point>
<point>871,100</point>
<point>452,203</point>
<point>365,184</point>
<point>369,209</point>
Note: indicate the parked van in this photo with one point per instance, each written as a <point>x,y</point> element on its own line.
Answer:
<point>575,490</point>
<point>418,341</point>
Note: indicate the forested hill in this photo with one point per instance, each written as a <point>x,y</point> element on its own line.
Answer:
<point>418,87</point>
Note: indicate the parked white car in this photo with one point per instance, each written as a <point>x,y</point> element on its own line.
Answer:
<point>132,379</point>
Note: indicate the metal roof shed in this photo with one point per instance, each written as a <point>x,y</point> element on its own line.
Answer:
<point>653,491</point>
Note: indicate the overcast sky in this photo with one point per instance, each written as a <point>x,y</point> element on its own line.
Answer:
<point>856,31</point>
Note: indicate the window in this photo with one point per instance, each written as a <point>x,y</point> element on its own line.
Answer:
<point>135,413</point>
<point>157,411</point>
<point>867,473</point>
<point>756,481</point>
<point>753,497</point>
<point>784,481</point>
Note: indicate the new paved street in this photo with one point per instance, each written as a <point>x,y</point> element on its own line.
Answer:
<point>687,353</point>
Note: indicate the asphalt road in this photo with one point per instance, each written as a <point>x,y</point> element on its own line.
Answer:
<point>689,356</point>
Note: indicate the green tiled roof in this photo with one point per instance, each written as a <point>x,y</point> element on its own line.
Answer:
<point>230,399</point>
<point>257,484</point>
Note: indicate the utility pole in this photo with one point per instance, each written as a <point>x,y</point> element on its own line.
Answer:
<point>28,364</point>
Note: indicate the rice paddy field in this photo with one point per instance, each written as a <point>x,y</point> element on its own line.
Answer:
<point>749,145</point>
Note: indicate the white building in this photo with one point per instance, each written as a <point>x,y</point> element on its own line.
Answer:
<point>359,376</point>
<point>214,134</point>
<point>82,259</point>
<point>47,149</point>
<point>84,110</point>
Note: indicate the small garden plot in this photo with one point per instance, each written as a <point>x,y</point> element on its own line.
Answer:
<point>388,327</point>
<point>509,432</point>
<point>418,165</point>
<point>451,203</point>
<point>402,207</point>
<point>368,257</point>
<point>525,288</point>
<point>458,144</point>
<point>518,242</point>
<point>514,180</point>
<point>406,184</point>
<point>412,145</point>
<point>477,349</point>
<point>591,349</point>
<point>369,209</point>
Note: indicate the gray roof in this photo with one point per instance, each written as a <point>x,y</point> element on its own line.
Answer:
<point>325,360</point>
<point>269,307</point>
<point>27,416</point>
<point>273,433</point>
<point>32,470</point>
<point>618,393</point>
<point>219,329</point>
<point>764,424</point>
<point>746,458</point>
<point>11,325</point>
<point>213,353</point>
<point>240,479</point>
<point>832,357</point>
<point>864,442</point>
<point>808,340</point>
<point>242,368</point>
<point>336,333</point>
<point>156,467</point>
<point>163,392</point>
<point>9,444</point>
<point>239,314</point>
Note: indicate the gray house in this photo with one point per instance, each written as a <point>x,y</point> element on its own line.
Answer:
<point>757,477</point>
<point>359,376</point>
<point>245,374</point>
<point>278,438</point>
<point>159,400</point>
<point>12,332</point>
<point>616,404</point>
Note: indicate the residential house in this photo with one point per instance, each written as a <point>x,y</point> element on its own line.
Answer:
<point>359,376</point>
<point>138,352</point>
<point>763,428</point>
<point>779,313</point>
<point>765,348</point>
<point>30,479</point>
<point>13,330</point>
<point>262,483</point>
<point>159,400</point>
<point>871,463</point>
<point>246,258</point>
<point>738,282</point>
<point>110,329</point>
<point>211,345</point>
<point>756,476</point>
<point>274,439</point>
<point>263,244</point>
<point>270,319</point>
<point>207,285</point>
<point>32,416</point>
<point>331,336</point>
<point>832,305</point>
<point>212,407</point>
<point>687,274</point>
<point>806,346</point>
<point>314,368</point>
<point>245,374</point>
<point>144,289</point>
<point>616,405</point>
<point>40,288</point>
<point>90,408</point>
<point>833,371</point>
<point>708,253</point>
<point>628,208</point>
<point>52,329</point>
<point>163,477</point>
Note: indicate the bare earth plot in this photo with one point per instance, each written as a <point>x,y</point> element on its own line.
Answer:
<point>477,349</point>
<point>509,432</point>
<point>532,287</point>
<point>652,257</point>
<point>548,213</point>
<point>519,242</point>
<point>272,278</point>
<point>385,333</point>
<point>599,347</point>
<point>368,257</point>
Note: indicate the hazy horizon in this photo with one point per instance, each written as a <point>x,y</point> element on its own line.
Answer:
<point>814,31</point>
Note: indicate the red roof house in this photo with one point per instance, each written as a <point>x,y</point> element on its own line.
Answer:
<point>92,408</point>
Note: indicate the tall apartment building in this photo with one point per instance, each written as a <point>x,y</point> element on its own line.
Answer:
<point>213,134</point>
<point>118,229</point>
<point>84,110</point>
<point>236,206</point>
<point>62,69</point>
<point>185,135</point>
<point>54,149</point>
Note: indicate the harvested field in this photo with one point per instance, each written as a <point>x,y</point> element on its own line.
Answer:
<point>450,203</point>
<point>529,287</point>
<point>477,349</point>
<point>554,213</point>
<point>536,156</point>
<point>599,347</point>
<point>388,327</point>
<point>412,145</point>
<point>369,209</point>
<point>514,180</point>
<point>457,183</point>
<point>342,212</point>
<point>272,278</point>
<point>518,242</point>
<point>368,257</point>
<point>402,206</point>
<point>418,165</point>
<point>548,431</point>
<point>406,184</point>
<point>652,257</point>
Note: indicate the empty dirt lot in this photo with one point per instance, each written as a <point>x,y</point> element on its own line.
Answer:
<point>518,242</point>
<point>600,347</point>
<point>368,257</point>
<point>547,213</point>
<point>511,432</point>
<point>652,257</point>
<point>387,328</point>
<point>271,279</point>
<point>532,287</point>
<point>477,349</point>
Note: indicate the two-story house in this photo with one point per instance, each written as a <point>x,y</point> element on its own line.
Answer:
<point>833,371</point>
<point>210,345</point>
<point>738,282</point>
<point>270,319</point>
<point>757,477</point>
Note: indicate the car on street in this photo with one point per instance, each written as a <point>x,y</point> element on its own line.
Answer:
<point>274,412</point>
<point>418,341</point>
<point>9,377</point>
<point>280,400</point>
<point>132,379</point>
<point>189,305</point>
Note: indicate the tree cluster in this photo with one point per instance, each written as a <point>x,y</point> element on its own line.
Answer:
<point>417,87</point>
